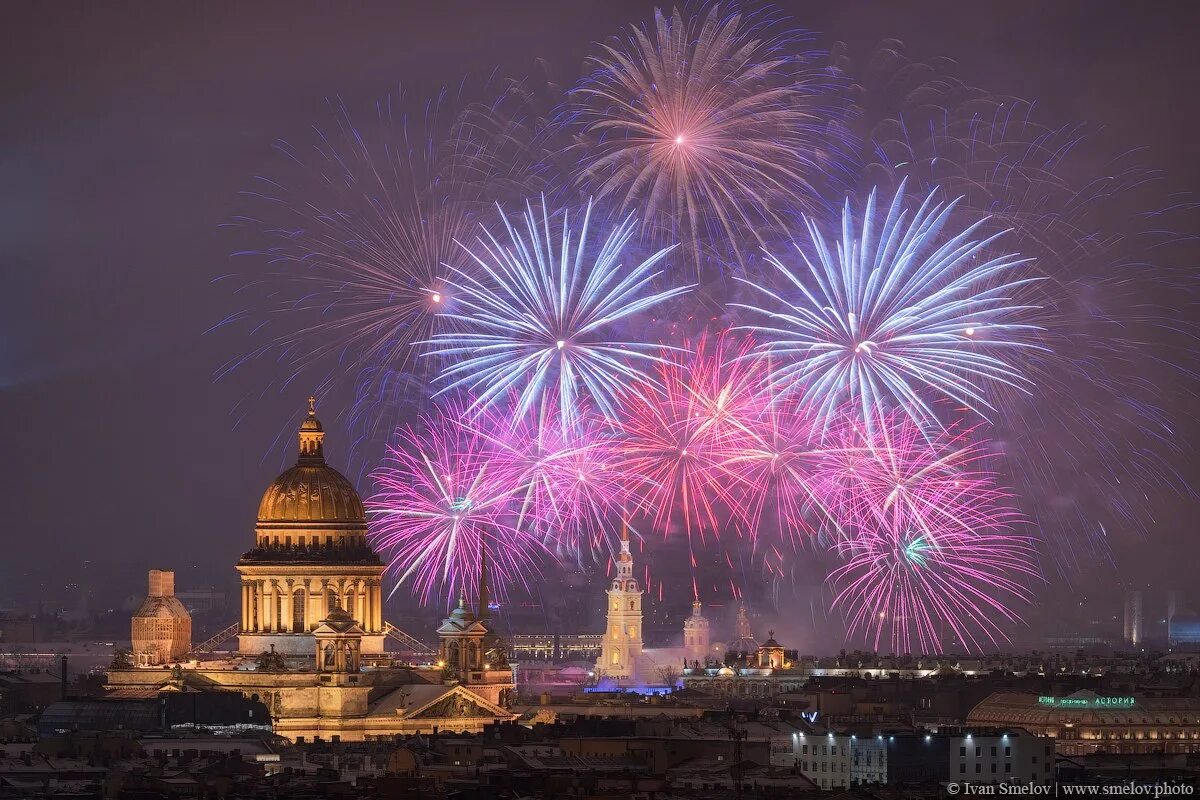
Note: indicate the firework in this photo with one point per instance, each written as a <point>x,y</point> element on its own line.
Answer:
<point>361,223</point>
<point>704,123</point>
<point>927,542</point>
<point>567,491</point>
<point>540,319</point>
<point>1091,450</point>
<point>441,498</point>
<point>673,437</point>
<point>896,317</point>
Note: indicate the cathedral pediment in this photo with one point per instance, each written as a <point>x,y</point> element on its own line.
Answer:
<point>454,702</point>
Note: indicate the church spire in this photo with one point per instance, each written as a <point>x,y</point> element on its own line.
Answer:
<point>312,436</point>
<point>484,599</point>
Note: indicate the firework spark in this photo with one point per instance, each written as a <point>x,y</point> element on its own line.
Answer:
<point>927,542</point>
<point>896,317</point>
<point>703,123</point>
<point>440,499</point>
<point>538,321</point>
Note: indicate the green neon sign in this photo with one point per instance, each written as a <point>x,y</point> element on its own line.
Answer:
<point>1087,702</point>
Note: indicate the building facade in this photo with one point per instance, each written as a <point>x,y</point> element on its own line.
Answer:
<point>965,755</point>
<point>161,628</point>
<point>311,637</point>
<point>696,635</point>
<point>311,556</point>
<point>1085,722</point>
<point>621,647</point>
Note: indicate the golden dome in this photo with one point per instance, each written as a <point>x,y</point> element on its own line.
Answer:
<point>312,491</point>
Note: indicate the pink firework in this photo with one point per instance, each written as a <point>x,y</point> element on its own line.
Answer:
<point>891,473</point>
<point>927,542</point>
<point>566,491</point>
<point>440,500</point>
<point>673,436</point>
<point>784,459</point>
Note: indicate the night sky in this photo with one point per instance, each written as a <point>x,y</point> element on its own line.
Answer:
<point>129,129</point>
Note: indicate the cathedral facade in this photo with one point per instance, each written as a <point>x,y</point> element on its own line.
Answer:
<point>312,639</point>
<point>310,556</point>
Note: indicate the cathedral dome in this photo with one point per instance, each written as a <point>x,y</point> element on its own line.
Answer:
<point>311,492</point>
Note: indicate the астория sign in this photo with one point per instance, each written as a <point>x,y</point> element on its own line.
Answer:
<point>1087,702</point>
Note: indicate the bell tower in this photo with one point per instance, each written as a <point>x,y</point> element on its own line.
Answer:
<point>621,647</point>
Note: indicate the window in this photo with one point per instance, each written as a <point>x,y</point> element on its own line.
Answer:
<point>978,768</point>
<point>804,749</point>
<point>993,752</point>
<point>1007,751</point>
<point>962,768</point>
<point>1035,759</point>
<point>962,751</point>
<point>993,769</point>
<point>1008,767</point>
<point>978,752</point>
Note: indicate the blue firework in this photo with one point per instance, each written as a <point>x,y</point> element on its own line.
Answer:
<point>535,318</point>
<point>898,315</point>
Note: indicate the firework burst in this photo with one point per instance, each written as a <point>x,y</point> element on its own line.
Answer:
<point>895,317</point>
<point>927,542</point>
<point>703,123</point>
<point>442,497</point>
<point>539,320</point>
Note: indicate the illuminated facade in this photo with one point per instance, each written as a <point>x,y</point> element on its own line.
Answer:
<point>161,628</point>
<point>311,637</point>
<point>621,647</point>
<point>696,635</point>
<point>311,556</point>
<point>1084,722</point>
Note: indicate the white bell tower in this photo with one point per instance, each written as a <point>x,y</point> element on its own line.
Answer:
<point>621,647</point>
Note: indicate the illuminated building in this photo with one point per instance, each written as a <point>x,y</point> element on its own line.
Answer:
<point>621,647</point>
<point>161,628</point>
<point>311,639</point>
<point>962,755</point>
<point>766,671</point>
<point>695,635</point>
<point>1085,722</point>
<point>310,557</point>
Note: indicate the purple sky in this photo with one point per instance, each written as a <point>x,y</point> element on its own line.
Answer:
<point>128,130</point>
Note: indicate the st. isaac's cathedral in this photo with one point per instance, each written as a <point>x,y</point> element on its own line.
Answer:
<point>312,641</point>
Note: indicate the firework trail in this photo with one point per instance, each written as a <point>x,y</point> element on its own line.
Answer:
<point>669,432</point>
<point>896,317</point>
<point>441,496</point>
<point>1092,450</point>
<point>928,546</point>
<point>536,313</point>
<point>704,124</point>
<point>568,494</point>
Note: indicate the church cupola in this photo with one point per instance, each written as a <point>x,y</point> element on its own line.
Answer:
<point>312,436</point>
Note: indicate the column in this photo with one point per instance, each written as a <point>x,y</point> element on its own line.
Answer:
<point>245,605</point>
<point>286,615</point>
<point>368,620</point>
<point>376,606</point>
<point>258,604</point>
